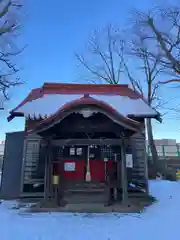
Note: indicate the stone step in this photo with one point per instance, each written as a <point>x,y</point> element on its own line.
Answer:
<point>89,197</point>
<point>85,185</point>
<point>85,190</point>
<point>85,197</point>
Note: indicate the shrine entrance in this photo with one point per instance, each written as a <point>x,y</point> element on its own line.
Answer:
<point>88,163</point>
<point>81,146</point>
<point>82,169</point>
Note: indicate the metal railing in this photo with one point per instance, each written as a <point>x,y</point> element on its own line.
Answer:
<point>166,150</point>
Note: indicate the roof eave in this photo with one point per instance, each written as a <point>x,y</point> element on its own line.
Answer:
<point>156,116</point>
<point>13,115</point>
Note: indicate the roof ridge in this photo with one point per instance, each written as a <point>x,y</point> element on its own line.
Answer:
<point>83,86</point>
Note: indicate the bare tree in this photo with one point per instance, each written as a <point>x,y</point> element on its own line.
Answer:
<point>9,27</point>
<point>102,60</point>
<point>161,26</point>
<point>112,60</point>
<point>104,64</point>
<point>145,78</point>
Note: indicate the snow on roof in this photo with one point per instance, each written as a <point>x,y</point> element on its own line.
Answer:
<point>46,101</point>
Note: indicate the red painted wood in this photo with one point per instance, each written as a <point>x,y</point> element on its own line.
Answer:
<point>56,169</point>
<point>97,169</point>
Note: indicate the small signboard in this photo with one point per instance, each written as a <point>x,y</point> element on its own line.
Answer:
<point>72,151</point>
<point>69,167</point>
<point>129,161</point>
<point>79,151</point>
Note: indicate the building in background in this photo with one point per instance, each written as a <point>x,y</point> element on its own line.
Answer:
<point>2,144</point>
<point>166,147</point>
<point>166,142</point>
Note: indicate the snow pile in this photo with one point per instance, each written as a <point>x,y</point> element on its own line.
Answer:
<point>159,221</point>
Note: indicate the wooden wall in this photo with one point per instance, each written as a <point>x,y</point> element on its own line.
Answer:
<point>140,170</point>
<point>32,147</point>
<point>30,123</point>
<point>31,158</point>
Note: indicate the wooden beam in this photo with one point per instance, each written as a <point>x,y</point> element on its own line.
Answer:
<point>91,129</point>
<point>113,117</point>
<point>124,182</point>
<point>69,142</point>
<point>61,183</point>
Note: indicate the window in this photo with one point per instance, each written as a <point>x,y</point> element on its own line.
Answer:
<point>94,152</point>
<point>111,152</point>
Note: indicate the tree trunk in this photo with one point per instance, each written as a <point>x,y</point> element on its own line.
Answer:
<point>152,147</point>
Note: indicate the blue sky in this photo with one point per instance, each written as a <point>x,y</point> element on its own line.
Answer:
<point>54,30</point>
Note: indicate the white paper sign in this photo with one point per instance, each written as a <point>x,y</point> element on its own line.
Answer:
<point>69,167</point>
<point>79,151</point>
<point>72,151</point>
<point>129,161</point>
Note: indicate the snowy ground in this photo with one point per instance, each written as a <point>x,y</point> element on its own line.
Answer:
<point>159,221</point>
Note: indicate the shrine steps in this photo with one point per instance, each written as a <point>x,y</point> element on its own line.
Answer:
<point>85,193</point>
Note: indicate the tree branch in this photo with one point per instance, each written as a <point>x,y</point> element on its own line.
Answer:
<point>106,62</point>
<point>161,41</point>
<point>96,73</point>
<point>170,81</point>
<point>9,25</point>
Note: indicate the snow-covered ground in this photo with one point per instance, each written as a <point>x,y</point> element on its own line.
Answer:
<point>159,221</point>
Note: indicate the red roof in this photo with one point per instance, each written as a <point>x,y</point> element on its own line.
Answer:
<point>109,89</point>
<point>80,89</point>
<point>68,88</point>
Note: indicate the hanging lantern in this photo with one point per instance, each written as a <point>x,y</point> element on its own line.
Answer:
<point>55,180</point>
<point>178,174</point>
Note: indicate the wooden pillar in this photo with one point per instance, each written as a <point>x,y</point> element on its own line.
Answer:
<point>60,195</point>
<point>118,185</point>
<point>47,177</point>
<point>46,189</point>
<point>124,184</point>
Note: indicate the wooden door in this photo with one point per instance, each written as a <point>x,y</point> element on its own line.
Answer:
<point>97,164</point>
<point>74,159</point>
